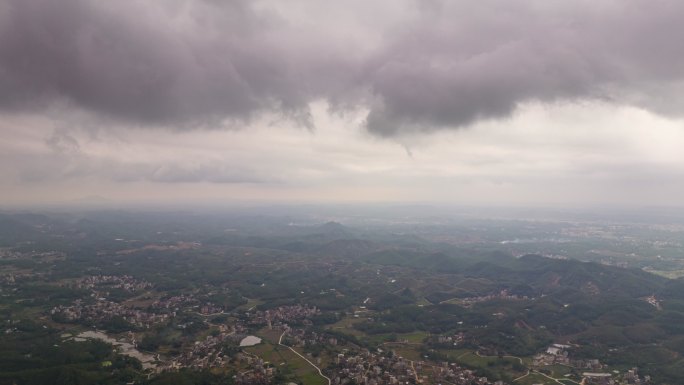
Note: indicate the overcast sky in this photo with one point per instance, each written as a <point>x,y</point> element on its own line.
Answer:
<point>528,102</point>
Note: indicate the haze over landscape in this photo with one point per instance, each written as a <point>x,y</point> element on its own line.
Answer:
<point>315,192</point>
<point>524,103</point>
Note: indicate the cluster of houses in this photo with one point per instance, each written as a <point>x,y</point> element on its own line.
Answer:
<point>282,315</point>
<point>653,301</point>
<point>503,294</point>
<point>369,368</point>
<point>209,353</point>
<point>8,280</point>
<point>450,340</point>
<point>103,310</point>
<point>214,350</point>
<point>358,366</point>
<point>558,354</point>
<point>454,374</point>
<point>259,372</point>
<point>13,279</point>
<point>123,282</point>
<point>372,369</point>
<point>631,377</point>
<point>9,253</point>
<point>100,309</point>
<point>174,303</point>
<point>304,337</point>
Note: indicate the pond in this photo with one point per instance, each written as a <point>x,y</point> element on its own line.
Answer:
<point>250,341</point>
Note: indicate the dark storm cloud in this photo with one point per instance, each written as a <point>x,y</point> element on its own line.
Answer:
<point>437,64</point>
<point>466,61</point>
<point>176,62</point>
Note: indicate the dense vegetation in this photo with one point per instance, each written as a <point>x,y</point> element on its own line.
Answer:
<point>406,283</point>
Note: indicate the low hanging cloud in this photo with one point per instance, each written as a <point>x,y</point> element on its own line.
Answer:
<point>417,67</point>
<point>467,61</point>
<point>76,166</point>
<point>169,63</point>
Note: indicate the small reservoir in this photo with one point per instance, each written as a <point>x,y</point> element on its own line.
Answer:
<point>250,341</point>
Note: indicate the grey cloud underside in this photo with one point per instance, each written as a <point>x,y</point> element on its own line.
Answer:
<point>61,167</point>
<point>123,60</point>
<point>65,161</point>
<point>188,63</point>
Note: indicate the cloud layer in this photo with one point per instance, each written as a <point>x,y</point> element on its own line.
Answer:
<point>566,155</point>
<point>413,65</point>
